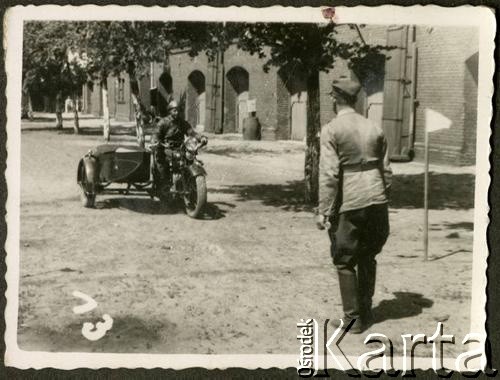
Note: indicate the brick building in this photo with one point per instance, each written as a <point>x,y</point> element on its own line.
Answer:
<point>428,67</point>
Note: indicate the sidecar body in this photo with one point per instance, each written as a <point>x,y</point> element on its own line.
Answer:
<point>106,164</point>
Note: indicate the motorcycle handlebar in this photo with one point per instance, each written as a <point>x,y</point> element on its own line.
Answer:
<point>201,144</point>
<point>157,144</point>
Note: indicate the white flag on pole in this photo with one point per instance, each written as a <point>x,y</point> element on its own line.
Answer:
<point>434,121</point>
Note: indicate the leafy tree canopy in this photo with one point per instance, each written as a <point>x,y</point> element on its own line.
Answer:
<point>111,47</point>
<point>309,47</point>
<point>49,62</point>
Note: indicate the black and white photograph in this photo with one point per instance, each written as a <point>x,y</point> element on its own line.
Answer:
<point>252,187</point>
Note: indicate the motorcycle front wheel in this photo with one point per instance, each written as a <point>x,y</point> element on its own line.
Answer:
<point>196,197</point>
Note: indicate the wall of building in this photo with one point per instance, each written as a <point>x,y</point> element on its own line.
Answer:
<point>445,84</point>
<point>471,102</point>
<point>262,87</point>
<point>371,35</point>
<point>112,89</point>
<point>95,100</point>
<point>124,109</point>
<point>181,66</point>
<point>145,85</point>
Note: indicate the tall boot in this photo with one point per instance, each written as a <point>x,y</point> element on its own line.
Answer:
<point>349,293</point>
<point>164,182</point>
<point>367,273</point>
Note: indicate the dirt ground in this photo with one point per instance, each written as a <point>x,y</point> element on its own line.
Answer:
<point>238,281</point>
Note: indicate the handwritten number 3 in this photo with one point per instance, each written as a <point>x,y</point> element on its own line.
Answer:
<point>89,330</point>
<point>100,328</point>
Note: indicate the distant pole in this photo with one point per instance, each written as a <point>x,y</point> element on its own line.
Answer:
<point>222,79</point>
<point>426,196</point>
<point>434,121</point>
<point>151,75</point>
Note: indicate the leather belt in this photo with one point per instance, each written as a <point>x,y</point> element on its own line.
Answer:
<point>361,166</point>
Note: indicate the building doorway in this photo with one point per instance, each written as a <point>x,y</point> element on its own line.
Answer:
<point>235,100</point>
<point>298,115</point>
<point>398,111</point>
<point>293,93</point>
<point>195,100</point>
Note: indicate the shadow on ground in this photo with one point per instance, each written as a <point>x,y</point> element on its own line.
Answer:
<point>47,118</point>
<point>214,212</point>
<point>153,207</point>
<point>116,130</point>
<point>468,226</point>
<point>140,205</point>
<point>404,305</point>
<point>128,333</point>
<point>49,128</point>
<point>289,196</point>
<point>446,191</point>
<point>38,119</point>
<point>450,253</point>
<point>238,150</point>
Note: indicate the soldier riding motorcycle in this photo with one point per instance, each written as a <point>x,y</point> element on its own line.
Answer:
<point>175,144</point>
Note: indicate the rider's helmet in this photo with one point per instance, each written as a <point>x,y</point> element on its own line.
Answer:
<point>173,104</point>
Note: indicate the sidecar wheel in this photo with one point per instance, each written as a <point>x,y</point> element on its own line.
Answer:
<point>196,200</point>
<point>88,200</point>
<point>87,197</point>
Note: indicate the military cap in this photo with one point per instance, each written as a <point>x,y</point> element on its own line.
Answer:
<point>346,86</point>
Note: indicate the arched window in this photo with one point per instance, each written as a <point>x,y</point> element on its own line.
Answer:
<point>235,100</point>
<point>195,100</point>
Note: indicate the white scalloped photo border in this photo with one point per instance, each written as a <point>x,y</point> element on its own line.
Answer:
<point>480,17</point>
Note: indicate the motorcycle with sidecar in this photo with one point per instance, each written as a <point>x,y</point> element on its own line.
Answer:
<point>136,167</point>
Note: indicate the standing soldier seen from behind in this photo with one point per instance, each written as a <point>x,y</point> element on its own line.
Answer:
<point>354,180</point>
<point>171,132</point>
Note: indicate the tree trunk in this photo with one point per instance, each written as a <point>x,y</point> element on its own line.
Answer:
<point>311,166</point>
<point>59,110</point>
<point>30,106</point>
<point>138,107</point>
<point>139,127</point>
<point>76,126</point>
<point>26,106</point>
<point>105,109</point>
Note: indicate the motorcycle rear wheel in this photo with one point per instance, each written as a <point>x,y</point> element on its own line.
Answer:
<point>196,199</point>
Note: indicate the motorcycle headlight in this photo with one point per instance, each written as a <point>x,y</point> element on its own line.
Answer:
<point>191,144</point>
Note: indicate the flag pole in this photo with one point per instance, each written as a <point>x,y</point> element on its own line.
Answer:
<point>434,121</point>
<point>426,195</point>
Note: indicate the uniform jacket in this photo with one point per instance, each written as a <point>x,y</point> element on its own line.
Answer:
<point>347,142</point>
<point>173,131</point>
